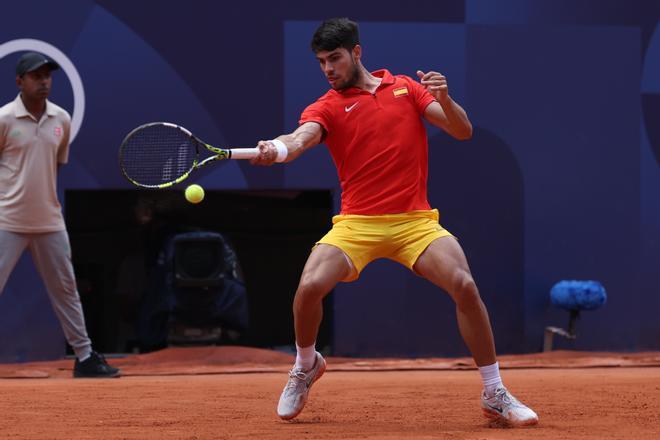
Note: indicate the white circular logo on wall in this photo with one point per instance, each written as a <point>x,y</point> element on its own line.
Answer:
<point>29,44</point>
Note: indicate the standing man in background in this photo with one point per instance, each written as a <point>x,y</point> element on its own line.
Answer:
<point>372,123</point>
<point>34,142</point>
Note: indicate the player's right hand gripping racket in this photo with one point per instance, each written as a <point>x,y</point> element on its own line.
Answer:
<point>160,154</point>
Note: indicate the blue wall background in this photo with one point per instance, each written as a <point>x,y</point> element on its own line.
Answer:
<point>560,181</point>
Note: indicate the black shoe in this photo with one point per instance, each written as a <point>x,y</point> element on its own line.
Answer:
<point>94,366</point>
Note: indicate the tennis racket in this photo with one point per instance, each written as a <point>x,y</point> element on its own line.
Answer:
<point>160,154</point>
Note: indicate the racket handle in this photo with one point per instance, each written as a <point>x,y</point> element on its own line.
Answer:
<point>250,153</point>
<point>244,153</point>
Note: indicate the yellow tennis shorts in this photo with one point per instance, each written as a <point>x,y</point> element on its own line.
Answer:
<point>399,237</point>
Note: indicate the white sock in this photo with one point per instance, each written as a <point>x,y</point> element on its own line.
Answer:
<point>305,356</point>
<point>490,375</point>
<point>83,353</point>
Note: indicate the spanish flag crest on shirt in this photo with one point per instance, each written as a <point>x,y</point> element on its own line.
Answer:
<point>401,91</point>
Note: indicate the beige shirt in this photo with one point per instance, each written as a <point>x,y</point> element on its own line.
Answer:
<point>29,153</point>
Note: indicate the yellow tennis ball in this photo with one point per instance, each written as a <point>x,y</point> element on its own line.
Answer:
<point>194,193</point>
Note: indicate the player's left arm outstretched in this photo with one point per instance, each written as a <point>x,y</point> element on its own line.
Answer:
<point>444,113</point>
<point>305,136</point>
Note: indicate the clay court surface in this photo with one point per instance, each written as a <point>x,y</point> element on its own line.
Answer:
<point>231,393</point>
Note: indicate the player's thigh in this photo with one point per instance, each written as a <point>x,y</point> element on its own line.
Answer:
<point>325,267</point>
<point>444,264</point>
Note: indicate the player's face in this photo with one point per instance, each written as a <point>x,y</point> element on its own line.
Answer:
<point>35,84</point>
<point>340,67</point>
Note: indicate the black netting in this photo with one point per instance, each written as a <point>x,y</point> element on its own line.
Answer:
<point>156,154</point>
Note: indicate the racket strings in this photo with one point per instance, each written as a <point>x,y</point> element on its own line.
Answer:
<point>157,154</point>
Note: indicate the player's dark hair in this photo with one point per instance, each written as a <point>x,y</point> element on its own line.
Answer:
<point>334,33</point>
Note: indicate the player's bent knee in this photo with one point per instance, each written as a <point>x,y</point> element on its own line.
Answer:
<point>466,293</point>
<point>310,289</point>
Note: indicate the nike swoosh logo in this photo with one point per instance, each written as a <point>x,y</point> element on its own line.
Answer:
<point>348,109</point>
<point>499,410</point>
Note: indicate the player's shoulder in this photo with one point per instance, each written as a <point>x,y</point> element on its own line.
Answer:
<point>400,78</point>
<point>329,96</point>
<point>59,112</point>
<point>324,100</point>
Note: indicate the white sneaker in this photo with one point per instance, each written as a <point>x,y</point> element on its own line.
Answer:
<point>503,407</point>
<point>294,396</point>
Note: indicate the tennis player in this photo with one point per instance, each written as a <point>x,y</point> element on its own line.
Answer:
<point>372,122</point>
<point>34,142</point>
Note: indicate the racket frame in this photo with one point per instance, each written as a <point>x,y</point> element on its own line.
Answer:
<point>218,154</point>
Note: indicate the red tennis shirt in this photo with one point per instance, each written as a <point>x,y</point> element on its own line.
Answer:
<point>378,143</point>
